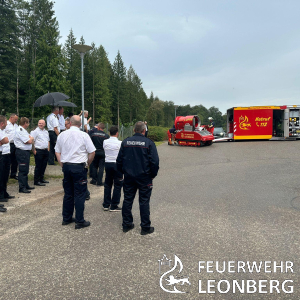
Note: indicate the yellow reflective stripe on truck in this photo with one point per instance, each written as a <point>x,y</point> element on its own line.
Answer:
<point>252,137</point>
<point>257,107</point>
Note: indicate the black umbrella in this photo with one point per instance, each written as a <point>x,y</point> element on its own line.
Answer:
<point>50,99</point>
<point>65,103</point>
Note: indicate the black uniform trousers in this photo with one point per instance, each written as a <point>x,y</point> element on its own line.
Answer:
<point>13,160</point>
<point>1,176</point>
<point>53,138</point>
<point>23,158</point>
<point>112,177</point>
<point>75,187</point>
<point>98,163</point>
<point>130,187</point>
<point>41,159</point>
<point>6,169</point>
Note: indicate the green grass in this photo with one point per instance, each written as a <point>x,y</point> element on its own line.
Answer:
<point>30,177</point>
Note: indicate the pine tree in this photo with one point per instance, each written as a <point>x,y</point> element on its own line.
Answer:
<point>73,69</point>
<point>119,85</point>
<point>9,49</point>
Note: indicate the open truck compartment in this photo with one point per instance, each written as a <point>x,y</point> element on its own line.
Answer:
<point>264,122</point>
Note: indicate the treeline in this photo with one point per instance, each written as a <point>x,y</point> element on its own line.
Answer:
<point>32,63</point>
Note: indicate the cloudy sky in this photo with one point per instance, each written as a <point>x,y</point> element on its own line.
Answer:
<point>221,53</point>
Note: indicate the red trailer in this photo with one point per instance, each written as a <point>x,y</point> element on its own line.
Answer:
<point>263,122</point>
<point>187,132</point>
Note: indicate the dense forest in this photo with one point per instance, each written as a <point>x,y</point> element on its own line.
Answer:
<point>32,63</point>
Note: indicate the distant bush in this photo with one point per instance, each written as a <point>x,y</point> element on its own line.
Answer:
<point>157,133</point>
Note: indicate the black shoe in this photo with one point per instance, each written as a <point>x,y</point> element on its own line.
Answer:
<point>9,197</point>
<point>3,209</point>
<point>147,231</point>
<point>82,225</point>
<point>30,188</point>
<point>1,205</point>
<point>117,209</point>
<point>40,184</point>
<point>105,208</point>
<point>94,182</point>
<point>88,197</point>
<point>14,177</point>
<point>3,199</point>
<point>44,181</point>
<point>25,191</point>
<point>128,228</point>
<point>68,222</point>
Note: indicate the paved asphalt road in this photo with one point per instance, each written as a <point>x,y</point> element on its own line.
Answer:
<point>227,202</point>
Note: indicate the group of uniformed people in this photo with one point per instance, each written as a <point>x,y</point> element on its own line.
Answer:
<point>131,164</point>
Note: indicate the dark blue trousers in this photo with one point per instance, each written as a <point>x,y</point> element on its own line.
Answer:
<point>41,159</point>
<point>98,163</point>
<point>6,169</point>
<point>130,187</point>
<point>75,186</point>
<point>13,160</point>
<point>53,138</point>
<point>112,177</point>
<point>23,158</point>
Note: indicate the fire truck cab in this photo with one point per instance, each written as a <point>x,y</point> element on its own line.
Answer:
<point>264,122</point>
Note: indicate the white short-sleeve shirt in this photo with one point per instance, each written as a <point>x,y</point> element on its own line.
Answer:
<point>74,146</point>
<point>41,138</point>
<point>61,121</point>
<point>21,138</point>
<point>52,122</point>
<point>111,148</point>
<point>10,131</point>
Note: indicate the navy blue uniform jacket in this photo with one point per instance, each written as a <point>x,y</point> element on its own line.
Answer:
<point>138,157</point>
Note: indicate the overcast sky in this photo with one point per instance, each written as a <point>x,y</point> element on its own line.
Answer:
<point>221,53</point>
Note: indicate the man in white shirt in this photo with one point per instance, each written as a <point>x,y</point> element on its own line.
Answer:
<point>61,119</point>
<point>3,141</point>
<point>86,121</point>
<point>10,131</point>
<point>23,142</point>
<point>40,149</point>
<point>54,129</point>
<point>6,169</point>
<point>74,151</point>
<point>111,147</point>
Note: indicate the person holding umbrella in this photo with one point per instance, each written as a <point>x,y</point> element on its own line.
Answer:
<point>54,129</point>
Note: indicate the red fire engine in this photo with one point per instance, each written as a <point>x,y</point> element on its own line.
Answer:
<point>263,122</point>
<point>187,131</point>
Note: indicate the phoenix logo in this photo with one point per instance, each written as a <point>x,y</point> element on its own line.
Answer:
<point>170,283</point>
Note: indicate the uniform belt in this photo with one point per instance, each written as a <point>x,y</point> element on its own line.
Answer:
<point>41,149</point>
<point>74,164</point>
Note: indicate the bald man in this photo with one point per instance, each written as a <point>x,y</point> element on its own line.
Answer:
<point>40,150</point>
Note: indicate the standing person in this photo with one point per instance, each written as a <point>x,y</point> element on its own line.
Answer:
<point>23,142</point>
<point>10,131</point>
<point>40,149</point>
<point>54,129</point>
<point>86,121</point>
<point>111,147</point>
<point>3,141</point>
<point>75,151</point>
<point>67,123</point>
<point>61,119</point>
<point>146,132</point>
<point>139,162</point>
<point>98,136</point>
<point>6,169</point>
<point>211,126</point>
